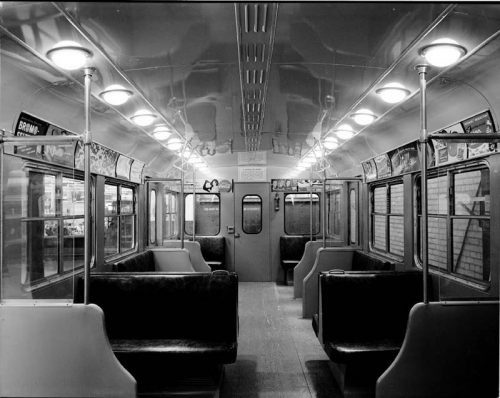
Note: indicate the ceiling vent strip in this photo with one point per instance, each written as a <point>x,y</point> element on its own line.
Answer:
<point>255,29</point>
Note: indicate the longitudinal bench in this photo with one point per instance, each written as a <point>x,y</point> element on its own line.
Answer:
<point>363,317</point>
<point>157,320</point>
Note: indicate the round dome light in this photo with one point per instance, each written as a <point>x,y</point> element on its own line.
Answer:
<point>195,160</point>
<point>443,52</point>
<point>330,143</point>
<point>115,94</point>
<point>186,154</point>
<point>174,144</point>
<point>161,132</point>
<point>308,160</point>
<point>363,117</point>
<point>69,55</point>
<point>344,132</point>
<point>393,92</point>
<point>143,118</point>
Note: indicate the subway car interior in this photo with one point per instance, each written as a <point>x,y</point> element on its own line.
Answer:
<point>218,199</point>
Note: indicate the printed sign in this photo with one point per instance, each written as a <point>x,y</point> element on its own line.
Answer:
<point>136,171</point>
<point>383,165</point>
<point>225,186</point>
<point>447,151</point>
<point>27,126</point>
<point>370,170</point>
<point>102,159</point>
<point>405,159</point>
<point>123,167</point>
<point>481,123</point>
<point>254,173</point>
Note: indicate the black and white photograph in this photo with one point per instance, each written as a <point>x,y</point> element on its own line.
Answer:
<point>214,199</point>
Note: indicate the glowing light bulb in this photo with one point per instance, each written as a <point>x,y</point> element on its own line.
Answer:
<point>363,117</point>
<point>174,144</point>
<point>115,94</point>
<point>143,118</point>
<point>393,92</point>
<point>69,55</point>
<point>330,143</point>
<point>344,132</point>
<point>161,132</point>
<point>443,52</point>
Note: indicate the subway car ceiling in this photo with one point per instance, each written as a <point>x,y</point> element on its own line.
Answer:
<point>227,78</point>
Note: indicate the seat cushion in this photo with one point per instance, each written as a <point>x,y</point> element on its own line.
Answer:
<point>172,350</point>
<point>375,350</point>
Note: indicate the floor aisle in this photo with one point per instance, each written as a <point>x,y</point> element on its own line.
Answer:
<point>278,352</point>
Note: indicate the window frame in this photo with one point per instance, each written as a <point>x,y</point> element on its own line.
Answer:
<point>153,240</point>
<point>60,173</point>
<point>449,171</point>
<point>118,215</point>
<point>387,215</point>
<point>319,214</point>
<point>243,215</point>
<point>194,213</point>
<point>170,199</point>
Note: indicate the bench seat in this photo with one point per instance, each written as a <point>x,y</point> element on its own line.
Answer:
<point>177,349</point>
<point>291,251</point>
<point>346,352</point>
<point>213,249</point>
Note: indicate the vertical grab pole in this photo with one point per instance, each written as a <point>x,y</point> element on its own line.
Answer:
<point>311,205</point>
<point>194,203</point>
<point>181,202</point>
<point>422,72</point>
<point>2,133</point>
<point>323,226</point>
<point>87,141</point>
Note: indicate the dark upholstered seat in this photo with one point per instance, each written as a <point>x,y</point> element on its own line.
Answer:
<point>364,314</point>
<point>291,251</point>
<point>213,249</point>
<point>165,318</point>
<point>140,262</point>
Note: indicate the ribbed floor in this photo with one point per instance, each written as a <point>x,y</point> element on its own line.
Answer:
<point>278,353</point>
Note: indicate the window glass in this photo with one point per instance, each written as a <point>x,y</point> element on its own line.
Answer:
<point>126,200</point>
<point>379,230</point>
<point>73,197</point>
<point>252,214</point>
<point>472,193</point>
<point>297,213</point>
<point>396,198</point>
<point>353,216</point>
<point>396,232</point>
<point>437,193</point>
<point>206,214</point>
<point>170,216</point>
<point>333,203</point>
<point>380,199</point>
<point>127,230</point>
<point>471,248</point>
<point>73,246</point>
<point>110,199</point>
<point>152,216</point>
<point>110,236</point>
<point>42,195</point>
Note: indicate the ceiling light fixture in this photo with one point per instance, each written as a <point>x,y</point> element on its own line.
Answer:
<point>443,52</point>
<point>363,117</point>
<point>69,55</point>
<point>115,94</point>
<point>143,118</point>
<point>162,132</point>
<point>195,160</point>
<point>393,92</point>
<point>174,144</point>
<point>344,132</point>
<point>330,143</point>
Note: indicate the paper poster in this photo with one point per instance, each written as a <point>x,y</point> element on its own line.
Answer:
<point>136,171</point>
<point>447,151</point>
<point>102,159</point>
<point>30,126</point>
<point>480,124</point>
<point>123,167</point>
<point>405,159</point>
<point>383,164</point>
<point>370,170</point>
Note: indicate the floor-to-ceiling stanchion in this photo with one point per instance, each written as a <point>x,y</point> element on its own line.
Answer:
<point>194,203</point>
<point>422,73</point>
<point>323,219</point>
<point>87,142</point>
<point>311,205</point>
<point>181,204</point>
<point>2,132</point>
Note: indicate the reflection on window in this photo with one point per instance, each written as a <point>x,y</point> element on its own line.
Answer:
<point>468,218</point>
<point>152,216</point>
<point>206,214</point>
<point>170,230</point>
<point>353,217</point>
<point>119,223</point>
<point>334,202</point>
<point>52,235</point>
<point>298,214</point>
<point>387,223</point>
<point>251,214</point>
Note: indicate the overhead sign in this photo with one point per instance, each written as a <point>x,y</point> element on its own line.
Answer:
<point>252,173</point>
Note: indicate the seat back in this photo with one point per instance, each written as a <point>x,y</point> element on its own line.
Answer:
<point>167,306</point>
<point>450,350</point>
<point>213,249</point>
<point>172,260</point>
<point>197,261</point>
<point>139,262</point>
<point>359,306</point>
<point>292,247</point>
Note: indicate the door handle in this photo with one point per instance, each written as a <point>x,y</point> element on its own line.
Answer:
<point>236,235</point>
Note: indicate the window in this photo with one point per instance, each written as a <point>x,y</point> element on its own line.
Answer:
<point>252,214</point>
<point>206,214</point>
<point>297,214</point>
<point>387,223</point>
<point>119,220</point>
<point>458,222</point>
<point>353,216</point>
<point>334,202</point>
<point>53,231</point>
<point>152,216</point>
<point>170,230</point>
